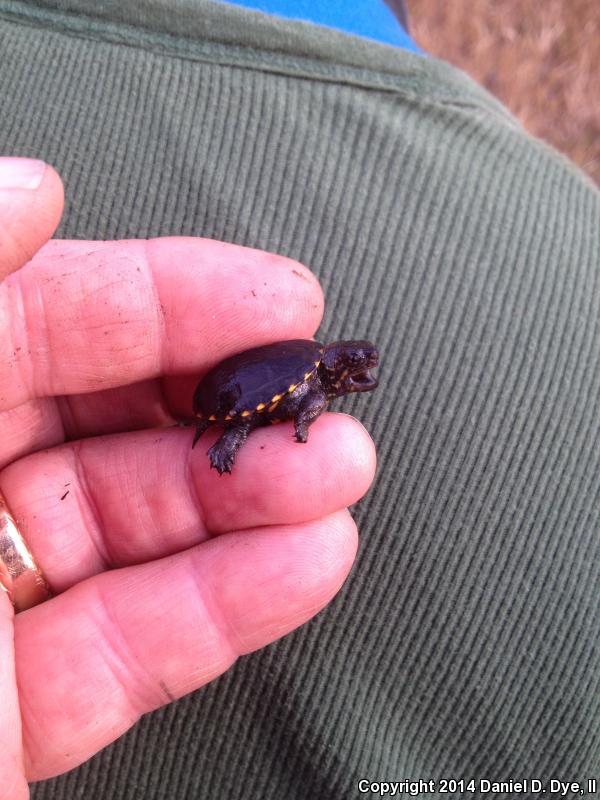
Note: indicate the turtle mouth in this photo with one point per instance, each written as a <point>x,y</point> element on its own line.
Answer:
<point>361,379</point>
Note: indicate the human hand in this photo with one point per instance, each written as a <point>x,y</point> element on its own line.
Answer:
<point>163,572</point>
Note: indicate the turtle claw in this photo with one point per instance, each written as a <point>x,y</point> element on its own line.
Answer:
<point>221,458</point>
<point>222,453</point>
<point>301,435</point>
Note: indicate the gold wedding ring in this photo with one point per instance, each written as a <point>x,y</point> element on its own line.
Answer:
<point>19,574</point>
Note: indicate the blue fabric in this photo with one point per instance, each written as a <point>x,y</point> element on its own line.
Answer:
<point>370,18</point>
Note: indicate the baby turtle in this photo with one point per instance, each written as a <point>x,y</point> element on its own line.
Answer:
<point>276,382</point>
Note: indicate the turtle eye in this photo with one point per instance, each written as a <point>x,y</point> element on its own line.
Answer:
<point>355,359</point>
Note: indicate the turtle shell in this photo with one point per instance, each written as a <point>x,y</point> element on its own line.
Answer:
<point>256,380</point>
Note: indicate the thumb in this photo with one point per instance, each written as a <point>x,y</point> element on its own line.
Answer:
<point>31,204</point>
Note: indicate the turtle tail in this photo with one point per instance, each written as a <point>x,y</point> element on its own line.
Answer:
<point>201,426</point>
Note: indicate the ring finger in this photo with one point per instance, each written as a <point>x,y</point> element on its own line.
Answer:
<point>118,500</point>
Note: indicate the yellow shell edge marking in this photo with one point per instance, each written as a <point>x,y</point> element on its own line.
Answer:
<point>260,406</point>
<point>246,413</point>
<point>277,398</point>
<point>212,418</point>
<point>311,371</point>
<point>228,417</point>
<point>273,406</point>
<point>292,387</point>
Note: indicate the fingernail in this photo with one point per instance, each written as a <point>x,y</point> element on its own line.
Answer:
<point>21,173</point>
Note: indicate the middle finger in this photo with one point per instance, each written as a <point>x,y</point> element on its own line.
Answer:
<point>88,316</point>
<point>89,326</point>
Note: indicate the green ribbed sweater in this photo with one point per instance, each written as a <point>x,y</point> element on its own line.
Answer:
<point>465,643</point>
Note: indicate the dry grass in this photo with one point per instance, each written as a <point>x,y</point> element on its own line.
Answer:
<point>541,59</point>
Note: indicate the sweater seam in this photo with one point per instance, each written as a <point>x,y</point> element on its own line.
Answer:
<point>308,68</point>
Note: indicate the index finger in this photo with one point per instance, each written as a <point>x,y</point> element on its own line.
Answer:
<point>85,316</point>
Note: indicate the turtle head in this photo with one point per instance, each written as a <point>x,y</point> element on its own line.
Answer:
<point>345,366</point>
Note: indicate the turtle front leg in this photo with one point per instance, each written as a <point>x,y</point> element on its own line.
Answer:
<point>311,406</point>
<point>222,453</point>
